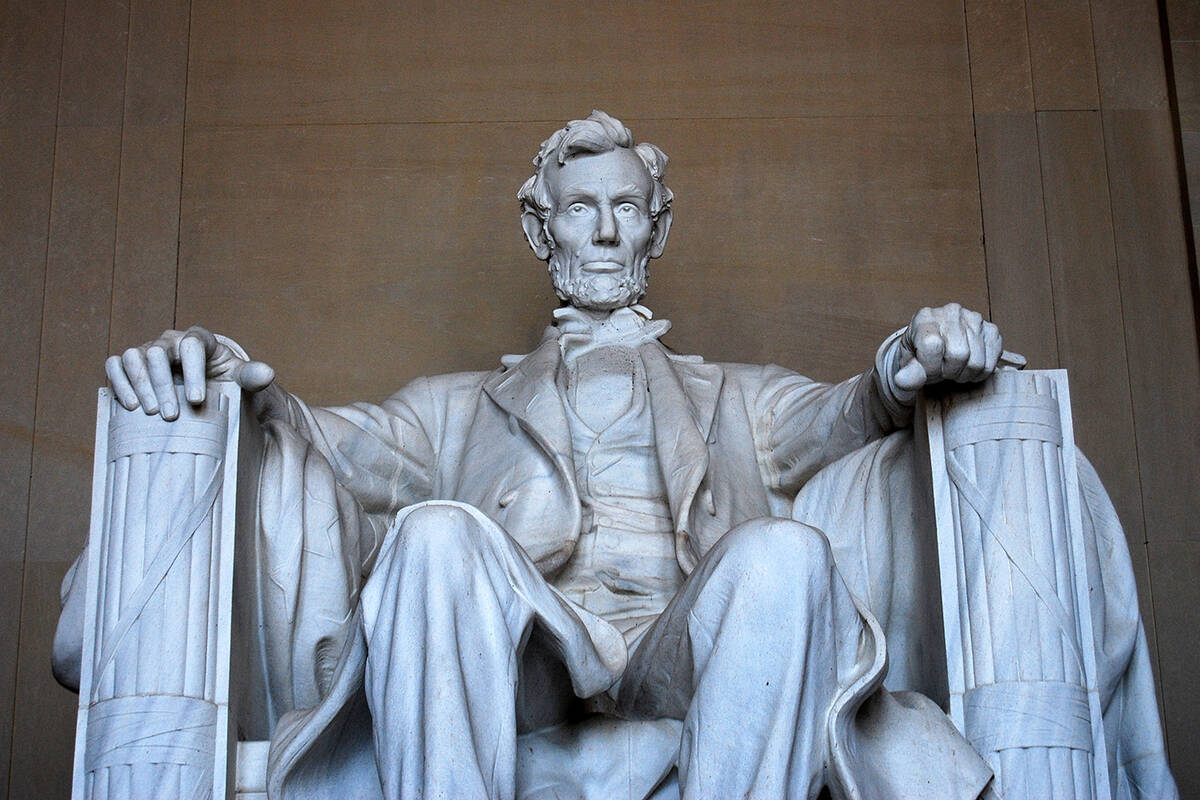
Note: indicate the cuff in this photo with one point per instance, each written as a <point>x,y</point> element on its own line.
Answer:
<point>898,402</point>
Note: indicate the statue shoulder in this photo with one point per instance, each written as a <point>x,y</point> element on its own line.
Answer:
<point>455,381</point>
<point>754,377</point>
<point>431,391</point>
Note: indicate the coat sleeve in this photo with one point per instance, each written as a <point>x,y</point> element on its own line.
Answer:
<point>385,455</point>
<point>802,425</point>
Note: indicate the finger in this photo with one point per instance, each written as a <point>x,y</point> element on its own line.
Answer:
<point>193,361</point>
<point>922,317</point>
<point>169,342</point>
<point>134,361</point>
<point>957,351</point>
<point>993,345</point>
<point>205,336</point>
<point>254,376</point>
<point>122,388</point>
<point>976,356</point>
<point>160,378</point>
<point>911,376</point>
<point>929,347</point>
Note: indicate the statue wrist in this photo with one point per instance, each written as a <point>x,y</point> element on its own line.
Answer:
<point>899,402</point>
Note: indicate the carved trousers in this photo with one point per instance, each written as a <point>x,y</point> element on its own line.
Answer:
<point>750,655</point>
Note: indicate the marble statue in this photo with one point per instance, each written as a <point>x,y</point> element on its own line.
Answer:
<point>605,569</point>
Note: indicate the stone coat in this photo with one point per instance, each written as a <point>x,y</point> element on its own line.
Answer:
<point>734,441</point>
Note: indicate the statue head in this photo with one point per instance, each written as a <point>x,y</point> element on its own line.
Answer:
<point>597,210</point>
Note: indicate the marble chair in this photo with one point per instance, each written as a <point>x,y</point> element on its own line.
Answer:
<point>173,676</point>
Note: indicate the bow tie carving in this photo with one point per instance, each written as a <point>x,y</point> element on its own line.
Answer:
<point>581,332</point>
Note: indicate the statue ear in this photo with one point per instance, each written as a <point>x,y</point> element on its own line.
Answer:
<point>535,234</point>
<point>658,239</point>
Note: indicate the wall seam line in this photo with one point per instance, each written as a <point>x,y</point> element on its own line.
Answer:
<point>112,276</point>
<point>187,80</point>
<point>987,275</point>
<point>12,720</point>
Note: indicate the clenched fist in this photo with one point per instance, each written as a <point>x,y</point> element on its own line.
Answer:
<point>950,343</point>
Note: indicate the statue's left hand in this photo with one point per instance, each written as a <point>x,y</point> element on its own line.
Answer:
<point>950,343</point>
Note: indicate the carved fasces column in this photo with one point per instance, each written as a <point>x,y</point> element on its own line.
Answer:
<point>154,704</point>
<point>1019,642</point>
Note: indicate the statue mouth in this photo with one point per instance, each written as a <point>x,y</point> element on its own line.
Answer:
<point>603,267</point>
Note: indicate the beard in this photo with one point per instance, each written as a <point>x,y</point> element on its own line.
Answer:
<point>601,292</point>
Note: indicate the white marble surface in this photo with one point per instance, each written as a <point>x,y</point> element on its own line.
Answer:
<point>1023,687</point>
<point>501,584</point>
<point>157,616</point>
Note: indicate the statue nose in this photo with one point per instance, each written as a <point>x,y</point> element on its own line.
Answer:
<point>606,228</point>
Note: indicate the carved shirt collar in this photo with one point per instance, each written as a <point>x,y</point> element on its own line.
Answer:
<point>580,330</point>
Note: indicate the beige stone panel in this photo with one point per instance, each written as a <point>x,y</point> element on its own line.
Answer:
<point>28,92</point>
<point>1062,55</point>
<point>93,72</point>
<point>78,275</point>
<point>156,74</point>
<point>44,719</point>
<point>354,257</point>
<point>147,234</point>
<point>1183,19</point>
<point>1191,159</point>
<point>1186,68</point>
<point>1014,235</point>
<point>1087,304</point>
<point>1174,566</point>
<point>1156,296</point>
<point>74,340</point>
<point>29,62</point>
<point>25,166</point>
<point>10,623</point>
<point>311,61</point>
<point>998,42</point>
<point>1129,54</point>
<point>30,52</point>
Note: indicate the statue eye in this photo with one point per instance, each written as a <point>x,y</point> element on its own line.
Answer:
<point>577,209</point>
<point>627,209</point>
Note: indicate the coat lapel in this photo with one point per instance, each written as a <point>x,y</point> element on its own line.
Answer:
<point>683,399</point>
<point>528,392</point>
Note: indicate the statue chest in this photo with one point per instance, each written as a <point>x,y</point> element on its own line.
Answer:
<point>624,566</point>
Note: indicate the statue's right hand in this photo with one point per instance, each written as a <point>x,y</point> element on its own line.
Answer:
<point>144,376</point>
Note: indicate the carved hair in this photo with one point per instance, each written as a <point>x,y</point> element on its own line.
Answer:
<point>597,134</point>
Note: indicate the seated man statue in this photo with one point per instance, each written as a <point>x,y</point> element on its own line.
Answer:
<point>580,569</point>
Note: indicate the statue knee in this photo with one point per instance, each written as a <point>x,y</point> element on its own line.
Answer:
<point>440,536</point>
<point>778,552</point>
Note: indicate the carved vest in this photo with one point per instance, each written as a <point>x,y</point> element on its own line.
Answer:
<point>624,567</point>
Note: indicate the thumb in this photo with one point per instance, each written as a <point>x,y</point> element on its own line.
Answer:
<point>911,376</point>
<point>253,376</point>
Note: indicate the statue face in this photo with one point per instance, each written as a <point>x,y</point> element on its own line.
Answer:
<point>601,234</point>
